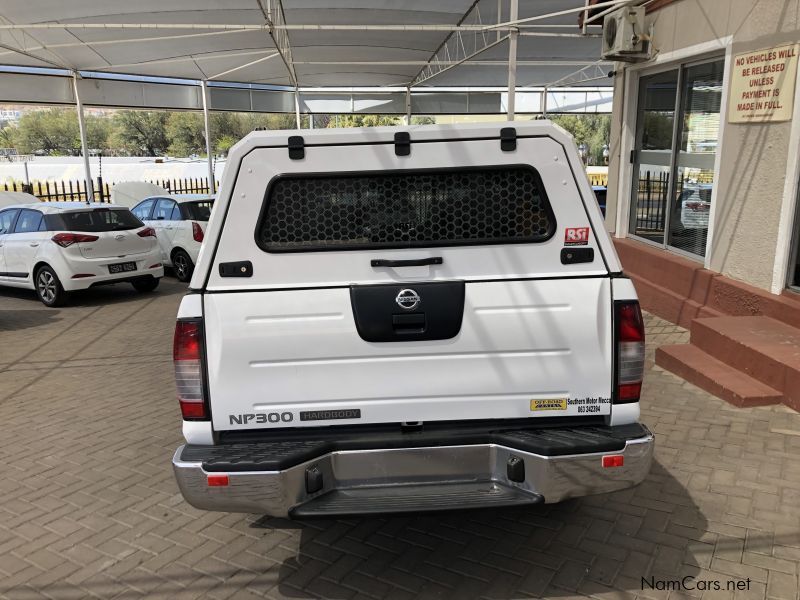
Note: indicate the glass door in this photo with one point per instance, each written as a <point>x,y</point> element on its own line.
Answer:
<point>701,95</point>
<point>652,156</point>
<point>677,128</point>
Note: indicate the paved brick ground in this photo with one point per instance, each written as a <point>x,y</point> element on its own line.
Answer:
<point>88,506</point>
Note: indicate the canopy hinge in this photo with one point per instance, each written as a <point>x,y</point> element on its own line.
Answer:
<point>508,139</point>
<point>402,143</point>
<point>297,147</point>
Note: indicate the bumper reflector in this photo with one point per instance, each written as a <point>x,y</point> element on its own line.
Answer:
<point>217,480</point>
<point>613,460</point>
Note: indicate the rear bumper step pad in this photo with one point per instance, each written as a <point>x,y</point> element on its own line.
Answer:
<point>449,475</point>
<point>297,447</point>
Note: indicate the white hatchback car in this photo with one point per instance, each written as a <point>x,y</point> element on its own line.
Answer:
<point>57,247</point>
<point>180,223</point>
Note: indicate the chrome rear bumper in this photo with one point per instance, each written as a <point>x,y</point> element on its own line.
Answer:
<point>546,478</point>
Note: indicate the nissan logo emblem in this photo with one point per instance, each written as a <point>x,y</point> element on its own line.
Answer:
<point>407,299</point>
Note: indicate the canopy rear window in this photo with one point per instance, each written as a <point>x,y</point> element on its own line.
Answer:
<point>405,209</point>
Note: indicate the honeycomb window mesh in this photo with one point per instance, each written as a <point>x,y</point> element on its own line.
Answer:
<point>406,209</point>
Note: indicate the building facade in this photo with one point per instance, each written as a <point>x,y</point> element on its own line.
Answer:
<point>703,172</point>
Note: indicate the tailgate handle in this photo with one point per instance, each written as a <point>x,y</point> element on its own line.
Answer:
<point>417,262</point>
<point>413,323</point>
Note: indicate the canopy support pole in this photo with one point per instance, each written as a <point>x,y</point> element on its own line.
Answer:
<point>512,61</point>
<point>87,171</point>
<point>297,108</point>
<point>408,106</point>
<point>544,102</point>
<point>500,16</point>
<point>212,184</point>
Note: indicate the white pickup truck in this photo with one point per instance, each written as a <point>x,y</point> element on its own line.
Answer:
<point>400,320</point>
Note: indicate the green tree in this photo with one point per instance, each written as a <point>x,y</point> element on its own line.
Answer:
<point>8,136</point>
<point>49,131</point>
<point>186,133</point>
<point>226,129</point>
<point>364,121</point>
<point>592,130</point>
<point>55,131</point>
<point>98,132</point>
<point>423,120</point>
<point>269,121</point>
<point>141,132</point>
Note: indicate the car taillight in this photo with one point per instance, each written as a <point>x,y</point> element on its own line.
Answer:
<point>187,355</point>
<point>65,240</point>
<point>197,232</point>
<point>630,351</point>
<point>147,232</point>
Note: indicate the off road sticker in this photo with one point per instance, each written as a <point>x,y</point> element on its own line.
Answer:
<point>576,236</point>
<point>549,404</point>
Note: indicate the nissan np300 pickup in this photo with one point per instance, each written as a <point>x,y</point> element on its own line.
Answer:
<point>400,320</point>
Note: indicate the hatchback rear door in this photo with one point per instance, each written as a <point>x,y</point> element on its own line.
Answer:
<point>116,230</point>
<point>458,282</point>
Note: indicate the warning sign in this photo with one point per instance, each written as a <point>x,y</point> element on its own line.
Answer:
<point>762,85</point>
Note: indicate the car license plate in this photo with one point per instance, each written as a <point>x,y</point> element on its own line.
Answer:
<point>122,267</point>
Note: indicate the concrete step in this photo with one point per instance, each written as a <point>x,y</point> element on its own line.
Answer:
<point>761,347</point>
<point>717,378</point>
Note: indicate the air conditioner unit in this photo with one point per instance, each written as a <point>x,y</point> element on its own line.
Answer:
<point>624,35</point>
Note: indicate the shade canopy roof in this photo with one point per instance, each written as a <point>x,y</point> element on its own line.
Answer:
<point>310,43</point>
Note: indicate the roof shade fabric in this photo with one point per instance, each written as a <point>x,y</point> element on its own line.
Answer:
<point>322,58</point>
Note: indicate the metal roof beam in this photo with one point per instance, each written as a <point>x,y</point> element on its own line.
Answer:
<point>593,72</point>
<point>34,56</point>
<point>459,46</point>
<point>189,58</point>
<point>143,40</point>
<point>275,17</point>
<point>610,5</point>
<point>240,27</point>
<point>244,66</point>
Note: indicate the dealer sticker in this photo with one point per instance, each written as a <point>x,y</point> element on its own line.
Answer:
<point>576,236</point>
<point>549,404</point>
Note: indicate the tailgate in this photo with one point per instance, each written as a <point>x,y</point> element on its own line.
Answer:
<point>407,291</point>
<point>525,349</point>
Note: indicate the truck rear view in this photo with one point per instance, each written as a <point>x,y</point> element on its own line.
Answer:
<point>393,321</point>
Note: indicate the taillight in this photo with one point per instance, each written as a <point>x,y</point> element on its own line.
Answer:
<point>65,240</point>
<point>630,351</point>
<point>147,232</point>
<point>197,232</point>
<point>187,355</point>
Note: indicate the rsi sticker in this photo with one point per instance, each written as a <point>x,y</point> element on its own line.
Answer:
<point>549,404</point>
<point>576,236</point>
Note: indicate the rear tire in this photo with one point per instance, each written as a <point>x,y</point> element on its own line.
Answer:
<point>145,284</point>
<point>49,288</point>
<point>182,265</point>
